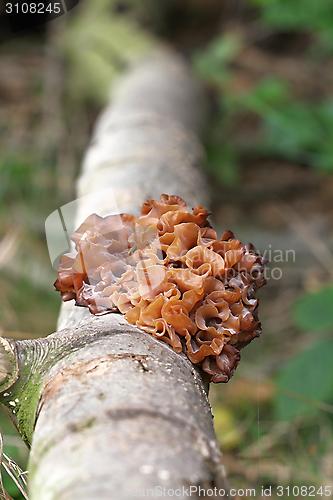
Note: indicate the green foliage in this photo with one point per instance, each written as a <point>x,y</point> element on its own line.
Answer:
<point>314,16</point>
<point>222,162</point>
<point>25,180</point>
<point>270,93</point>
<point>212,63</point>
<point>20,298</point>
<point>16,450</point>
<point>289,128</point>
<point>314,311</point>
<point>16,178</point>
<point>305,383</point>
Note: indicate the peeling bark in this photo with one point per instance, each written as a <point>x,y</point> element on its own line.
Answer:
<point>111,411</point>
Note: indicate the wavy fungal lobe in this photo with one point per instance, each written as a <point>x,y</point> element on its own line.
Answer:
<point>168,272</point>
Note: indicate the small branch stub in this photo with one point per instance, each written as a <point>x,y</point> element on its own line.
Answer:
<point>9,370</point>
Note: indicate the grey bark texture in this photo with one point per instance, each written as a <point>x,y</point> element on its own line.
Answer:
<point>114,412</point>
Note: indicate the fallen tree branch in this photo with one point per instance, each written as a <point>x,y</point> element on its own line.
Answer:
<point>111,411</point>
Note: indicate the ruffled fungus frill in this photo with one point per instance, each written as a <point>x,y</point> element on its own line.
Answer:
<point>169,273</point>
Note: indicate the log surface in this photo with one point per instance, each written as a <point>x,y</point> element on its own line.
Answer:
<point>119,412</point>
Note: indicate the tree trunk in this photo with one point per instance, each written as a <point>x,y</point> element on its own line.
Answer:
<point>111,411</point>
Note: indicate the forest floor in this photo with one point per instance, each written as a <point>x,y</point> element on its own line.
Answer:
<point>279,205</point>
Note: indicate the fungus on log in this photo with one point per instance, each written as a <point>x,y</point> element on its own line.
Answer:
<point>111,412</point>
<point>169,274</point>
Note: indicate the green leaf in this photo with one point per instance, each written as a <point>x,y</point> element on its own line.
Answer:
<point>314,311</point>
<point>300,15</point>
<point>270,92</point>
<point>212,64</point>
<point>222,162</point>
<point>305,383</point>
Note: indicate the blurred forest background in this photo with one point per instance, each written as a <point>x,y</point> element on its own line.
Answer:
<point>268,69</point>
